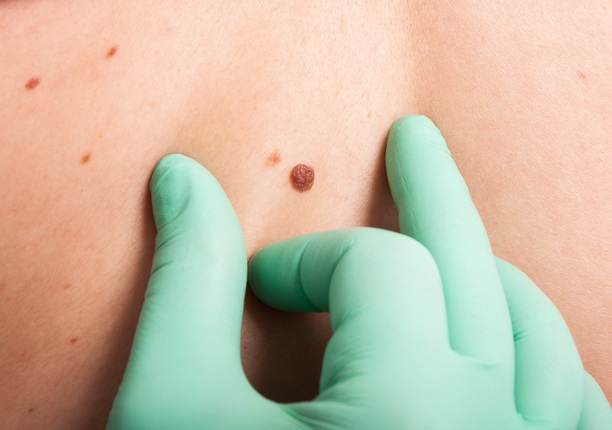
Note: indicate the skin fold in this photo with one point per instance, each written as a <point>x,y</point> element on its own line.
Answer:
<point>521,95</point>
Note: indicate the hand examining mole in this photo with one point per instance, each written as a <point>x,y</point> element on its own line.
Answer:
<point>430,329</point>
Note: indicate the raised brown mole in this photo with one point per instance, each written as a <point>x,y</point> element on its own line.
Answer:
<point>302,177</point>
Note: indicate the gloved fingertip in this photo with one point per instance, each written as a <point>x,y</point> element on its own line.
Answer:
<point>170,186</point>
<point>415,129</point>
<point>257,272</point>
<point>166,166</point>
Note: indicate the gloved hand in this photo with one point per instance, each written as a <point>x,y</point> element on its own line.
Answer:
<point>424,336</point>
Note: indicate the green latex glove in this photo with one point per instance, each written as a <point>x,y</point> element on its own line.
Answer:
<point>430,330</point>
<point>420,342</point>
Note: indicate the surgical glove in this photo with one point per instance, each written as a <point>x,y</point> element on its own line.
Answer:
<point>423,335</point>
<point>430,330</point>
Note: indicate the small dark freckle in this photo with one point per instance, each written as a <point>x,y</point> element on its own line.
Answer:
<point>85,158</point>
<point>73,340</point>
<point>66,286</point>
<point>30,410</point>
<point>112,51</point>
<point>582,75</point>
<point>32,83</point>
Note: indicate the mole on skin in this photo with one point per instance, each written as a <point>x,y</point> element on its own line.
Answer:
<point>302,177</point>
<point>32,83</point>
<point>112,51</point>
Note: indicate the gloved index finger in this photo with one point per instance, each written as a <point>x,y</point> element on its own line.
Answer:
<point>436,209</point>
<point>187,343</point>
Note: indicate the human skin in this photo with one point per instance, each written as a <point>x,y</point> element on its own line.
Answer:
<point>521,94</point>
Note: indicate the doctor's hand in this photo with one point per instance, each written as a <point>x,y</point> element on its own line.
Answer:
<point>424,336</point>
<point>431,331</point>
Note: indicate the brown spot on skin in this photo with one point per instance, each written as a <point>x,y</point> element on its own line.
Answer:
<point>369,114</point>
<point>66,286</point>
<point>73,340</point>
<point>32,83</point>
<point>30,410</point>
<point>582,75</point>
<point>274,158</point>
<point>85,158</point>
<point>112,51</point>
<point>302,177</point>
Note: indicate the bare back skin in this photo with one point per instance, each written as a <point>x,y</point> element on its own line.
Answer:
<point>93,94</point>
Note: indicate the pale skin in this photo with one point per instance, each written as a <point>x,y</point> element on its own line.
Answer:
<point>521,95</point>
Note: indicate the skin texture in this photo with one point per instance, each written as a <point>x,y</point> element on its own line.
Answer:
<point>522,101</point>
